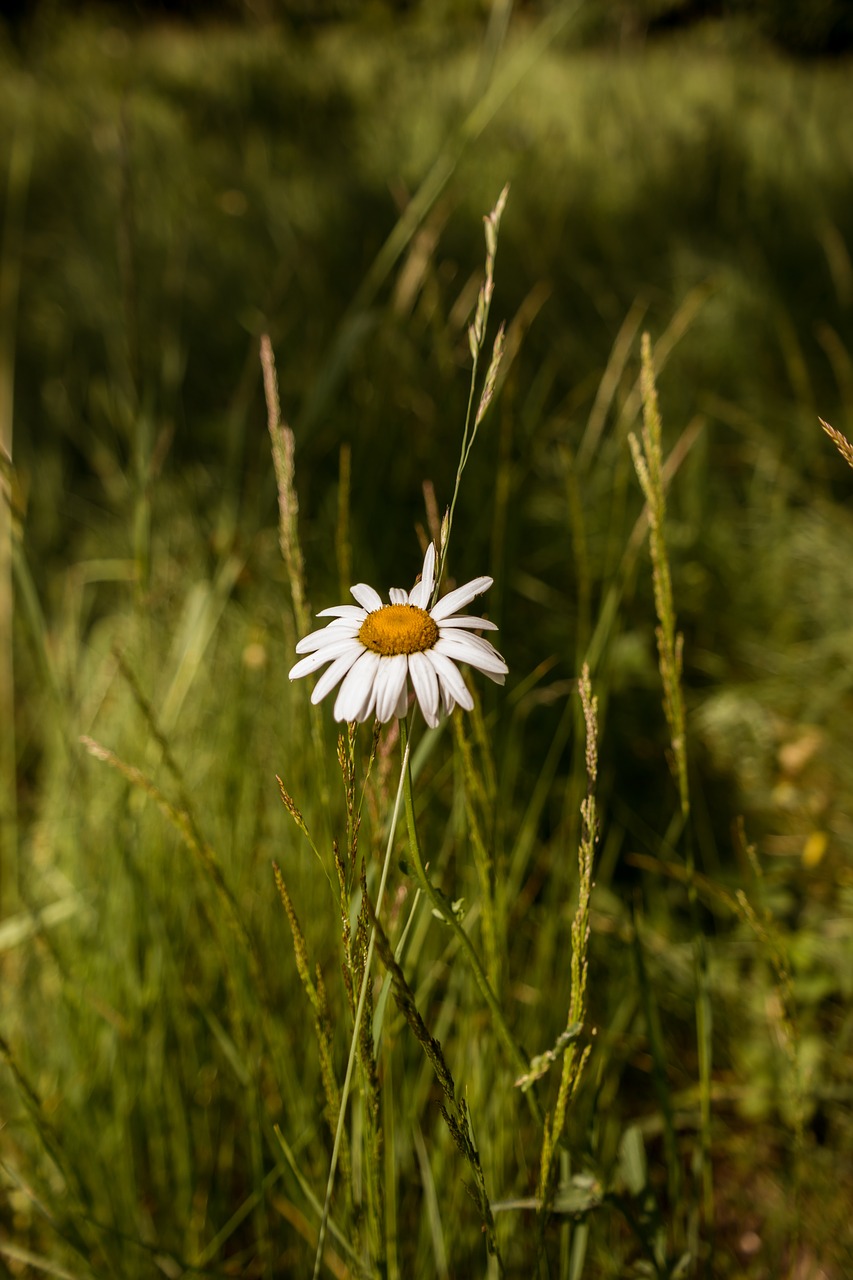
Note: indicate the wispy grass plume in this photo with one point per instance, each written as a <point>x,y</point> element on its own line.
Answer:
<point>647,453</point>
<point>476,342</point>
<point>574,1057</point>
<point>283,450</point>
<point>842,444</point>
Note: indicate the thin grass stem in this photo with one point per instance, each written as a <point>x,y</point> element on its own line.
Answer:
<point>476,340</point>
<point>359,1013</point>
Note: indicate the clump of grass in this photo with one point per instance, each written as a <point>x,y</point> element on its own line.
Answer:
<point>357,978</point>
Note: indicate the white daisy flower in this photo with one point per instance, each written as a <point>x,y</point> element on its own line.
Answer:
<point>374,648</point>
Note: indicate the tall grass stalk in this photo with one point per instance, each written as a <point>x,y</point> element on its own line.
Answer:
<point>283,446</point>
<point>359,1014</point>
<point>11,248</point>
<point>647,454</point>
<point>678,327</point>
<point>343,547</point>
<point>648,461</point>
<point>476,342</point>
<point>283,451</point>
<point>574,1058</point>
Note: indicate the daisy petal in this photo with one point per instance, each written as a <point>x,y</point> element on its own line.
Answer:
<point>389,683</point>
<point>474,643</point>
<point>476,624</point>
<point>398,596</point>
<point>336,672</point>
<point>453,687</point>
<point>347,644</point>
<point>355,696</point>
<point>461,596</point>
<point>420,594</point>
<point>366,596</point>
<point>446,702</point>
<point>425,681</point>
<point>473,650</point>
<point>329,634</point>
<point>351,612</point>
<point>402,707</point>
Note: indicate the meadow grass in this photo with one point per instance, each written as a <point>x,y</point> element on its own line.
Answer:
<point>655,1078</point>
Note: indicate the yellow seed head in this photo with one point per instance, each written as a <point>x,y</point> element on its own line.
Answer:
<point>398,628</point>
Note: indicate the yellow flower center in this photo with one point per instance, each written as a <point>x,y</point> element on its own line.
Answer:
<point>398,628</point>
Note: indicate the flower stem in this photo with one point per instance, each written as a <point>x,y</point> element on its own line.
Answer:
<point>405,778</point>
<point>519,1059</point>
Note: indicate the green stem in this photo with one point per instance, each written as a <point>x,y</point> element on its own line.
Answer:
<point>463,458</point>
<point>517,1056</point>
<point>359,1013</point>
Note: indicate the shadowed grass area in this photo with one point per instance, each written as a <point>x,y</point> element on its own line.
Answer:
<point>168,1093</point>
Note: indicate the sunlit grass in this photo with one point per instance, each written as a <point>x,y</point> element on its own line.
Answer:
<point>163,1102</point>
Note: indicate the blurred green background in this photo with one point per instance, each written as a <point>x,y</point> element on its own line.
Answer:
<point>176,182</point>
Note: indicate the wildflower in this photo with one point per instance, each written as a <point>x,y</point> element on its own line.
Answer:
<point>374,648</point>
